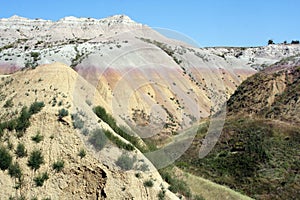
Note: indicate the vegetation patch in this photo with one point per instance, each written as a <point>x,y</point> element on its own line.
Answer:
<point>118,141</point>
<point>97,139</point>
<point>58,165</point>
<point>256,157</point>
<point>5,158</point>
<point>21,150</point>
<point>148,183</point>
<point>102,114</point>
<point>37,138</point>
<point>35,160</point>
<point>40,179</point>
<point>126,162</point>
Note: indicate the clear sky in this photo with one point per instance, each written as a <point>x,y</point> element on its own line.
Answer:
<point>209,22</point>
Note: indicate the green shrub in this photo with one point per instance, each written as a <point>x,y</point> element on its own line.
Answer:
<point>10,125</point>
<point>118,141</point>
<point>37,138</point>
<point>40,179</point>
<point>8,104</point>
<point>23,122</point>
<point>62,113</point>
<point>58,165</point>
<point>197,197</point>
<point>15,171</point>
<point>21,151</point>
<point>77,122</point>
<point>97,139</point>
<point>36,107</point>
<point>5,158</point>
<point>102,114</point>
<point>35,160</point>
<point>125,162</point>
<point>176,185</point>
<point>35,55</point>
<point>82,153</point>
<point>148,183</point>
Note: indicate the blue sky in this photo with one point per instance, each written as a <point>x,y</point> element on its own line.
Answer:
<point>208,22</point>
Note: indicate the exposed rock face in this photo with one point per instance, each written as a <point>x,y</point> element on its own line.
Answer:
<point>174,83</point>
<point>272,93</point>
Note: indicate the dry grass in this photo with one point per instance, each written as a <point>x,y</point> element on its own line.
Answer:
<point>207,189</point>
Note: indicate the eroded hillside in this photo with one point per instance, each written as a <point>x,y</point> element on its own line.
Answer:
<point>49,155</point>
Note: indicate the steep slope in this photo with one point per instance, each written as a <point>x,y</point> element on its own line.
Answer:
<point>272,93</point>
<point>258,150</point>
<point>92,176</point>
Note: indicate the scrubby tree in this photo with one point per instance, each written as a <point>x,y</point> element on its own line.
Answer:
<point>62,113</point>
<point>270,42</point>
<point>5,158</point>
<point>36,107</point>
<point>21,151</point>
<point>35,160</point>
<point>15,170</point>
<point>23,120</point>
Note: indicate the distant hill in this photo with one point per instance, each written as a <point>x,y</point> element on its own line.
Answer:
<point>272,93</point>
<point>258,150</point>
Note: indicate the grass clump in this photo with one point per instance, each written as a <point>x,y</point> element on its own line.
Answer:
<point>37,138</point>
<point>35,160</point>
<point>22,122</point>
<point>161,195</point>
<point>40,179</point>
<point>58,165</point>
<point>78,123</point>
<point>176,185</point>
<point>15,170</point>
<point>21,151</point>
<point>148,183</point>
<point>82,153</point>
